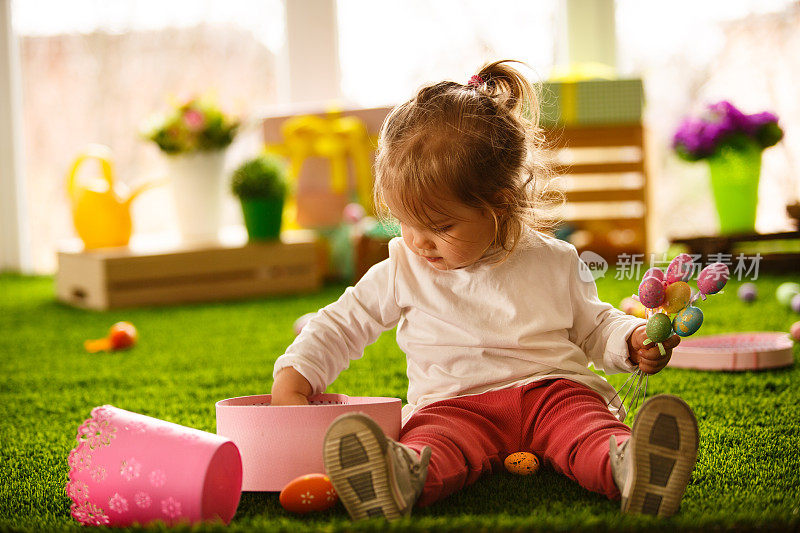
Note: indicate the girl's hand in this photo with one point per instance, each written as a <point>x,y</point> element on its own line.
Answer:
<point>290,388</point>
<point>649,358</point>
<point>288,399</point>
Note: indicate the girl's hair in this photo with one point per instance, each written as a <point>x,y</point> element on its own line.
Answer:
<point>478,143</point>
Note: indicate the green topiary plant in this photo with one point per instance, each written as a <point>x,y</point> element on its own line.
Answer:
<point>263,177</point>
<point>261,186</point>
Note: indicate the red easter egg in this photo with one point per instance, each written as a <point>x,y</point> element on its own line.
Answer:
<point>122,335</point>
<point>654,272</point>
<point>651,292</point>
<point>313,492</point>
<point>680,268</point>
<point>713,278</point>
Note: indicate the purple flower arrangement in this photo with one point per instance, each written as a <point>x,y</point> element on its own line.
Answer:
<point>724,125</point>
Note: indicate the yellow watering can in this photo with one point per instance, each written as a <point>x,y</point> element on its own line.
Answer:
<point>101,216</point>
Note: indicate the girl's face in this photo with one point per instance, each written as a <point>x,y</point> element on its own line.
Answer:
<point>454,240</point>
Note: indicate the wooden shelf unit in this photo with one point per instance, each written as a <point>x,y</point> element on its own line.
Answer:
<point>605,168</point>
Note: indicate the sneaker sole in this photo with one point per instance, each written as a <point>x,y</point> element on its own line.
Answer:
<point>664,441</point>
<point>354,454</point>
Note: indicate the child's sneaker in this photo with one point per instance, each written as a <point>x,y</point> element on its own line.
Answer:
<point>372,474</point>
<point>652,468</point>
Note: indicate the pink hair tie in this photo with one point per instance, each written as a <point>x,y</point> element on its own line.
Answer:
<point>475,81</point>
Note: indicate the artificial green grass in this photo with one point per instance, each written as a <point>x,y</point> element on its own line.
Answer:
<point>188,357</point>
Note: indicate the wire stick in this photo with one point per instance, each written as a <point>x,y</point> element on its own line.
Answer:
<point>643,396</point>
<point>632,374</point>
<point>635,398</point>
<point>646,379</point>
<point>636,384</point>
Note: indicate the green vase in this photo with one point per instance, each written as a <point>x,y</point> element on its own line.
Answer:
<point>734,182</point>
<point>262,218</point>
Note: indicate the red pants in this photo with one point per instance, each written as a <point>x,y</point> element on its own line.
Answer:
<point>566,424</point>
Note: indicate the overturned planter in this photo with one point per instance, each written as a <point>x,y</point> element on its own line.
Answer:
<point>129,468</point>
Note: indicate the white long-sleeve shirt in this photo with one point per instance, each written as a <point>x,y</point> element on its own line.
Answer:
<point>471,330</point>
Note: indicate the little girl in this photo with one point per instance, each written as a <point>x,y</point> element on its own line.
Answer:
<point>497,325</point>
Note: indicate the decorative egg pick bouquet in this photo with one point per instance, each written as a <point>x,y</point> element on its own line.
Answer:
<point>668,300</point>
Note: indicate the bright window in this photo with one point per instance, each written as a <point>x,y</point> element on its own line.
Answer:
<point>691,53</point>
<point>388,49</point>
<point>93,71</point>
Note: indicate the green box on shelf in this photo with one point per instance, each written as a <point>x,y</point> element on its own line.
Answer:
<point>592,102</point>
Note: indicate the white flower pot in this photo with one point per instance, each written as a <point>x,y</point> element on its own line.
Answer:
<point>197,185</point>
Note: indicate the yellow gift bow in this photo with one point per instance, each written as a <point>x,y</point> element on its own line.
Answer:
<point>336,138</point>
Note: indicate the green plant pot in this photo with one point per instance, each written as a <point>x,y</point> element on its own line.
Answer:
<point>734,182</point>
<point>262,218</point>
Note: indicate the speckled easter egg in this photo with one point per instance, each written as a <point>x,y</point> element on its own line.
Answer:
<point>713,278</point>
<point>795,303</point>
<point>659,327</point>
<point>747,292</point>
<point>651,292</point>
<point>313,492</point>
<point>680,268</point>
<point>677,296</point>
<point>522,463</point>
<point>688,321</point>
<point>794,331</point>
<point>786,292</point>
<point>654,272</point>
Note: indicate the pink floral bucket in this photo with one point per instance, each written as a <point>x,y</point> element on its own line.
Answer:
<point>129,468</point>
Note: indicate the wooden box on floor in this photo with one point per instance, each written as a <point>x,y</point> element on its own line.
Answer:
<point>123,277</point>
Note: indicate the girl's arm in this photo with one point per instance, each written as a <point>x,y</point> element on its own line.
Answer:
<point>599,329</point>
<point>338,334</point>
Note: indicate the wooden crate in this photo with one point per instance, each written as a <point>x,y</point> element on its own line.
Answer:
<point>115,278</point>
<point>606,171</point>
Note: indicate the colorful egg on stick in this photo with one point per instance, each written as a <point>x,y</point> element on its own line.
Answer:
<point>677,296</point>
<point>658,329</point>
<point>654,272</point>
<point>651,292</point>
<point>688,321</point>
<point>680,268</point>
<point>713,278</point>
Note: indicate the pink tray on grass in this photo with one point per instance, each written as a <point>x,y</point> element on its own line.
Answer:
<point>734,352</point>
<point>279,444</point>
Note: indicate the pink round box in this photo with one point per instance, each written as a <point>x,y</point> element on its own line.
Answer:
<point>281,443</point>
<point>129,468</point>
<point>731,352</point>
